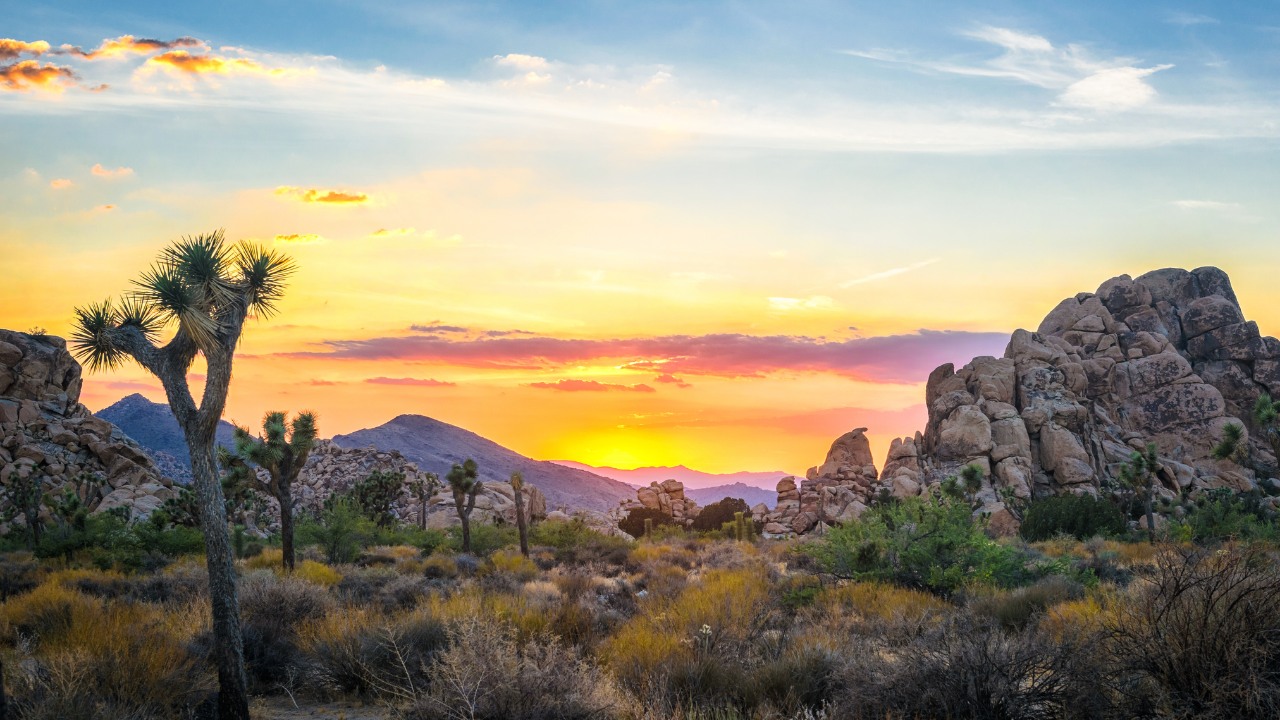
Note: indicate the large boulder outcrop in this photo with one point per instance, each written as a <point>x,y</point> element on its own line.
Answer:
<point>1165,358</point>
<point>46,432</point>
<point>834,492</point>
<point>667,497</point>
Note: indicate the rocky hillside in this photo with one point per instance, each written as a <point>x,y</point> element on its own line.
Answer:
<point>153,426</point>
<point>1166,358</point>
<point>333,469</point>
<point>46,432</point>
<point>436,446</point>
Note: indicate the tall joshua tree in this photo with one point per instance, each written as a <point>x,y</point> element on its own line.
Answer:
<point>517,489</point>
<point>207,288</point>
<point>464,481</point>
<point>282,453</point>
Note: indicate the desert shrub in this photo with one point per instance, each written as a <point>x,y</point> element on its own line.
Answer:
<point>318,573</point>
<point>356,650</point>
<point>48,613</point>
<point>876,602</point>
<point>576,544</point>
<point>1202,638</point>
<point>340,530</point>
<point>511,562</point>
<point>273,608</point>
<point>484,538</point>
<point>716,514</point>
<point>1223,514</point>
<point>486,674</point>
<point>402,593</point>
<point>20,572</point>
<point>932,543</point>
<point>1080,516</point>
<point>268,559</point>
<point>804,677</point>
<point>1014,609</point>
<point>440,566</point>
<point>634,523</point>
<point>968,667</point>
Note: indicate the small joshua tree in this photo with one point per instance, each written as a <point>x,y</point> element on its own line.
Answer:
<point>464,481</point>
<point>376,496</point>
<point>282,452</point>
<point>424,488</point>
<point>517,489</point>
<point>24,495</point>
<point>1139,474</point>
<point>1232,446</point>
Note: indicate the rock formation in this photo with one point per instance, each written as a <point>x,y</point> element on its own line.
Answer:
<point>837,491</point>
<point>45,431</point>
<point>667,496</point>
<point>1167,358</point>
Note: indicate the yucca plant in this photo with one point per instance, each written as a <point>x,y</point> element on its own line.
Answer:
<point>517,489</point>
<point>207,289</point>
<point>464,481</point>
<point>424,488</point>
<point>1139,474</point>
<point>282,451</point>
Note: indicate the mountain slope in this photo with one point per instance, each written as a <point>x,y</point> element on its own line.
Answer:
<point>688,476</point>
<point>153,426</point>
<point>753,495</point>
<point>436,446</point>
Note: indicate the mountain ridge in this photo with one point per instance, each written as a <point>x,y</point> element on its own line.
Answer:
<point>695,479</point>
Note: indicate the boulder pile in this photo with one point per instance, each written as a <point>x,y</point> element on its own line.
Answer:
<point>667,497</point>
<point>46,432</point>
<point>836,491</point>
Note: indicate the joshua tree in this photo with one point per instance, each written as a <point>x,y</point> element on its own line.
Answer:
<point>424,488</point>
<point>464,481</point>
<point>1267,413</point>
<point>208,288</point>
<point>376,496</point>
<point>282,457</point>
<point>517,488</point>
<point>24,495</point>
<point>1139,473</point>
<point>1232,446</point>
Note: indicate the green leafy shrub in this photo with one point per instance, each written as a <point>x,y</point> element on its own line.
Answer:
<point>575,544</point>
<point>341,530</point>
<point>485,539</point>
<point>634,523</point>
<point>1221,514</point>
<point>1081,516</point>
<point>715,515</point>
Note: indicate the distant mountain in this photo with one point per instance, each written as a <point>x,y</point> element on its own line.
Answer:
<point>752,495</point>
<point>153,426</point>
<point>691,478</point>
<point>436,446</point>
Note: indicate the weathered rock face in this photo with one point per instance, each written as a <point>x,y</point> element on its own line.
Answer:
<point>45,431</point>
<point>667,496</point>
<point>837,491</point>
<point>331,469</point>
<point>1166,358</point>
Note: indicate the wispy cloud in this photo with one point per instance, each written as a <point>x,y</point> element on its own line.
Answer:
<point>11,49</point>
<point>206,64</point>
<point>573,385</point>
<point>886,274</point>
<point>126,45</point>
<point>1208,205</point>
<point>888,358</point>
<point>1187,19</point>
<point>60,183</point>
<point>298,239</point>
<point>105,172</point>
<point>413,382</point>
<point>813,302</point>
<point>323,197</point>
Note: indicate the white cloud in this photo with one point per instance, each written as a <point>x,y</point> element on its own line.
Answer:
<point>885,274</point>
<point>521,61</point>
<point>1208,205</point>
<point>1121,88</point>
<point>813,302</point>
<point>1187,19</point>
<point>1011,39</point>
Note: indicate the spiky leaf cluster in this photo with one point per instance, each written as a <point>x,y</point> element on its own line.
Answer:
<point>199,283</point>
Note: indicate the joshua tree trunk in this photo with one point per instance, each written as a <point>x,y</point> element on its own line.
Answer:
<point>1151,515</point>
<point>521,525</point>
<point>233,696</point>
<point>286,525</point>
<point>466,531</point>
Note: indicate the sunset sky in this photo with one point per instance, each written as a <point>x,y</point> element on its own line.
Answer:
<point>717,234</point>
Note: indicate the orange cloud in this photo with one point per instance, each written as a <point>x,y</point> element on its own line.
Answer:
<point>571,385</point>
<point>100,171</point>
<point>328,197</point>
<point>299,238</point>
<point>183,61</point>
<point>31,75</point>
<point>130,45</point>
<point>415,382</point>
<point>10,49</point>
<point>60,183</point>
<point>105,208</point>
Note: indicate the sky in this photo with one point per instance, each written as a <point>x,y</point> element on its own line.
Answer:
<point>716,234</point>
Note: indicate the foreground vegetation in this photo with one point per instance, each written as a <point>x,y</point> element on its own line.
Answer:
<point>912,612</point>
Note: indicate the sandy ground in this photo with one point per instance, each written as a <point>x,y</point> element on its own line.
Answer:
<point>280,708</point>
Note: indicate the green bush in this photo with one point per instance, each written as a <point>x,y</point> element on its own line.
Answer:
<point>715,515</point>
<point>1081,516</point>
<point>341,530</point>
<point>485,539</point>
<point>1222,514</point>
<point>575,543</point>
<point>633,523</point>
<point>931,543</point>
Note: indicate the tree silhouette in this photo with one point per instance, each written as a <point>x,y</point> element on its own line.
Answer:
<point>207,288</point>
<point>464,481</point>
<point>282,453</point>
<point>517,489</point>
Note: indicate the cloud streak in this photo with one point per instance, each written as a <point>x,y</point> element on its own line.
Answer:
<point>323,197</point>
<point>410,382</point>
<point>905,358</point>
<point>573,385</point>
<point>886,274</point>
<point>126,45</point>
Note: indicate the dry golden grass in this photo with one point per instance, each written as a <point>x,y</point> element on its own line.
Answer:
<point>318,573</point>
<point>879,601</point>
<point>509,561</point>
